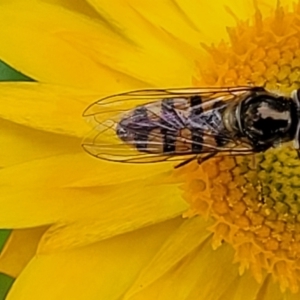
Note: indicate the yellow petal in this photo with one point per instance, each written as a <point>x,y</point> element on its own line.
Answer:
<point>44,192</point>
<point>165,17</point>
<point>45,107</point>
<point>204,274</point>
<point>156,53</point>
<point>117,212</point>
<point>101,271</point>
<point>203,14</point>
<point>189,236</point>
<point>19,249</point>
<point>21,144</point>
<point>79,6</point>
<point>244,287</point>
<point>78,170</point>
<point>269,290</point>
<point>35,44</point>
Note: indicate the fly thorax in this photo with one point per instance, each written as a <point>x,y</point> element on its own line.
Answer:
<point>267,120</point>
<point>295,96</point>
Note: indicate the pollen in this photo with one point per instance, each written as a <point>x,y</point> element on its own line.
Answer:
<point>255,199</point>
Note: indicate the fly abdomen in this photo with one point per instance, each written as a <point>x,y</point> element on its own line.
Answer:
<point>168,125</point>
<point>197,137</point>
<point>134,128</point>
<point>207,126</point>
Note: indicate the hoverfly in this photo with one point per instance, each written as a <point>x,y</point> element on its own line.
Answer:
<point>191,124</point>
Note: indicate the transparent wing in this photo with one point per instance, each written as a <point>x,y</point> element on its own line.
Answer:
<point>120,103</point>
<point>103,143</point>
<point>105,115</point>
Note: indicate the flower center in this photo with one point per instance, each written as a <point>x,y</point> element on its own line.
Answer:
<point>254,200</point>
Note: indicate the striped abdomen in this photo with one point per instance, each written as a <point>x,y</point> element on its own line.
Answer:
<point>174,125</point>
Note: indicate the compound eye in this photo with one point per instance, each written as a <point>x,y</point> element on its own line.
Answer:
<point>266,119</point>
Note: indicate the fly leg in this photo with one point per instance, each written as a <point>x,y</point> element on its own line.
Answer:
<point>200,159</point>
<point>185,162</point>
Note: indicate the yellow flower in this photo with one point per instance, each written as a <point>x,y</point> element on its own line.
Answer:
<point>99,230</point>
